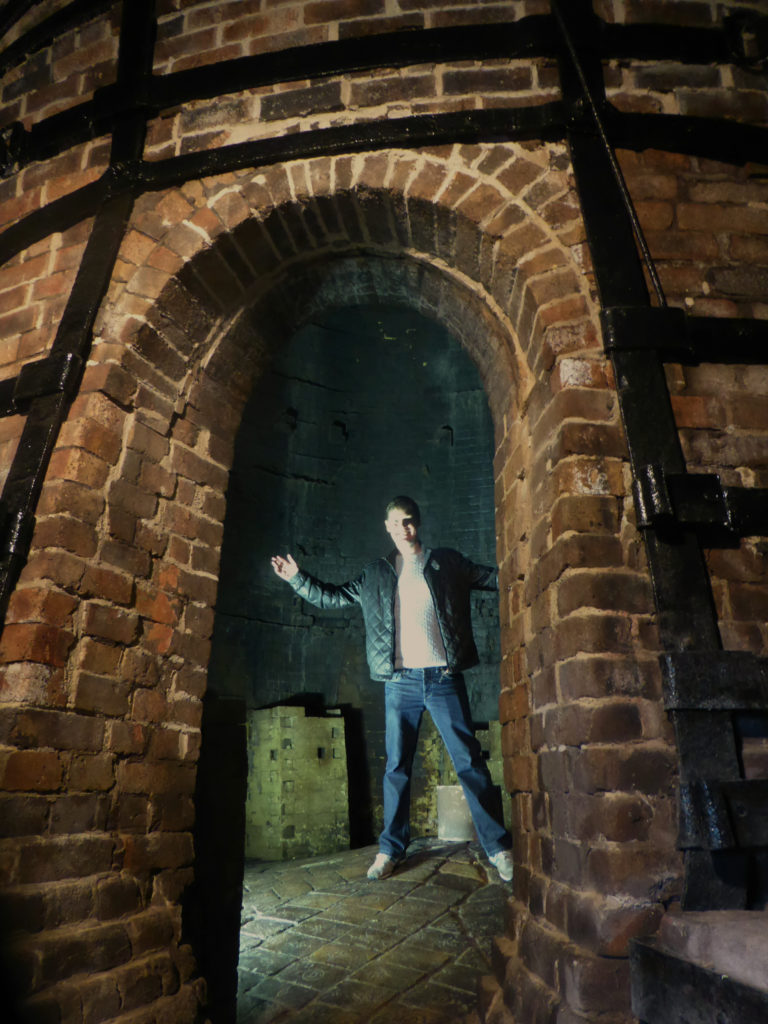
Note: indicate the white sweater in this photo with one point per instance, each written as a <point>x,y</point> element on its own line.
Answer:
<point>418,643</point>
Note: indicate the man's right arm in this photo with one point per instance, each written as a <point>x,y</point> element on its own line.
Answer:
<point>318,593</point>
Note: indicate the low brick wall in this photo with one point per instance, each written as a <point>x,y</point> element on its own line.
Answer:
<point>297,803</point>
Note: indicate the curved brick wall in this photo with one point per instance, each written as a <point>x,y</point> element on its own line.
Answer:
<point>105,651</point>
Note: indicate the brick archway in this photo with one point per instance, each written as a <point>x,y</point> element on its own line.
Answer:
<point>118,610</point>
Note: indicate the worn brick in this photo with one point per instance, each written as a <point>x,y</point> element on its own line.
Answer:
<point>110,623</point>
<point>61,730</point>
<point>151,538</point>
<point>649,769</point>
<point>157,480</point>
<point>748,602</point>
<point>142,438</point>
<point>141,778</point>
<point>100,581</point>
<point>140,667</point>
<point>186,711</point>
<point>105,695</point>
<point>126,737</point>
<point>156,605</point>
<point>73,498</point>
<point>597,923</point>
<point>61,567</point>
<point>92,772</point>
<point>100,999</point>
<point>68,533</point>
<point>199,620</point>
<point>167,744</point>
<point>511,79</point>
<point>722,217</point>
<point>149,706</point>
<point>392,89</point>
<point>152,930</point>
<point>95,656</point>
<point>190,647</point>
<point>158,850</point>
<point>134,500</point>
<point>300,102</point>
<point>30,604</point>
<point>23,814</point>
<point>597,982</point>
<point>600,675</point>
<point>78,465</point>
<point>173,813</point>
<point>618,591</point>
<point>117,896</point>
<point>55,859</point>
<point>199,469</point>
<point>192,679</point>
<point>32,642</point>
<point>133,814</point>
<point>585,514</point>
<point>79,812</point>
<point>573,552</point>
<point>142,983</point>
<point>93,949</point>
<point>92,437</point>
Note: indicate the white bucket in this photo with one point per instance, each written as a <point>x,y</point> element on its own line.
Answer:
<point>453,818</point>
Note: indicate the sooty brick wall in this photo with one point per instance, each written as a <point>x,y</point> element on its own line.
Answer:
<point>363,405</point>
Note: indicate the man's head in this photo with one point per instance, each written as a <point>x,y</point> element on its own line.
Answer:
<point>402,523</point>
<point>406,505</point>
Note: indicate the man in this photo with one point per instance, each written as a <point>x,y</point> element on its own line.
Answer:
<point>418,627</point>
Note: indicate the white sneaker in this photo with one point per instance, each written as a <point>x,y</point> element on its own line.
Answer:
<point>502,861</point>
<point>382,867</point>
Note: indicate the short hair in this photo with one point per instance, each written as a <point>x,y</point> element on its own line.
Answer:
<point>407,505</point>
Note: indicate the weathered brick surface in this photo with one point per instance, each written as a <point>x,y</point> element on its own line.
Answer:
<point>104,656</point>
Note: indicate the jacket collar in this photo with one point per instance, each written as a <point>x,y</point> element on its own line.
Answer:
<point>392,557</point>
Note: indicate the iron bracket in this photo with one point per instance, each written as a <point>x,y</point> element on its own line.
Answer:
<point>698,500</point>
<point>57,372</point>
<point>678,337</point>
<point>7,407</point>
<point>728,815</point>
<point>705,821</point>
<point>16,529</point>
<point>632,328</point>
<point>714,681</point>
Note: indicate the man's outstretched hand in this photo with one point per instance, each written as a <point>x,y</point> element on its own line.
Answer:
<point>286,568</point>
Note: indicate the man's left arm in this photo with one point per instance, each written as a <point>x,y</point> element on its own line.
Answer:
<point>482,577</point>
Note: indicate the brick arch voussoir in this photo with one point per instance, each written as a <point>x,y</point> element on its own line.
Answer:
<point>258,224</point>
<point>362,278</point>
<point>281,242</point>
<point>191,306</point>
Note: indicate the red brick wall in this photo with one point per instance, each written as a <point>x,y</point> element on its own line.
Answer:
<point>103,659</point>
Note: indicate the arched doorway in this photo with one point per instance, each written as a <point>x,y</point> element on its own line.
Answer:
<point>364,403</point>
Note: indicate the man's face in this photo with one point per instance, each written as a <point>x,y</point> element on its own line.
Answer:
<point>401,527</point>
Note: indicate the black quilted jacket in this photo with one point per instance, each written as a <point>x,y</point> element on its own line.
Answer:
<point>450,577</point>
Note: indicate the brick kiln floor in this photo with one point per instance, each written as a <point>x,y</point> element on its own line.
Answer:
<point>320,944</point>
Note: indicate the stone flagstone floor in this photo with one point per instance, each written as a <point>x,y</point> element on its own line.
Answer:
<point>320,944</point>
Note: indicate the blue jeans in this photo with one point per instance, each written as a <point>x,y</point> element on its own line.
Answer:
<point>444,695</point>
